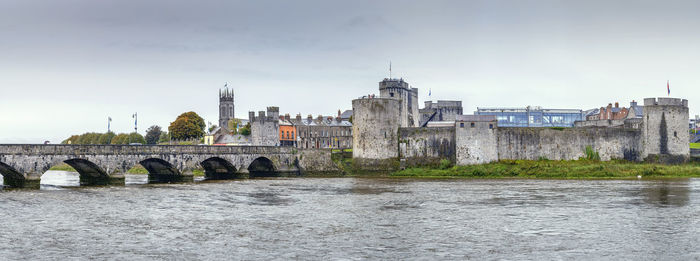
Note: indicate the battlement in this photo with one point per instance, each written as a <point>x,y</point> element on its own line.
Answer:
<point>393,83</point>
<point>442,104</point>
<point>272,114</point>
<point>665,101</point>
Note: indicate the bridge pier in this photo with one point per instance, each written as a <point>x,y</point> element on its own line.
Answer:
<point>116,179</point>
<point>170,178</point>
<point>30,181</point>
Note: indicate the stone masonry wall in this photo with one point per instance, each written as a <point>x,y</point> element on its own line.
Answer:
<point>426,146</point>
<point>568,144</point>
<point>374,131</point>
<point>476,145</point>
<point>665,128</point>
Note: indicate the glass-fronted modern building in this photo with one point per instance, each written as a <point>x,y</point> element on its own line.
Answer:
<point>533,116</point>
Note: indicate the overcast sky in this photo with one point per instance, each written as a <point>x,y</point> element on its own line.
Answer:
<point>65,66</point>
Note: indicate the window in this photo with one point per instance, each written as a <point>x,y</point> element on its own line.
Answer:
<point>292,135</point>
<point>391,94</point>
<point>490,126</point>
<point>472,125</point>
<point>461,124</point>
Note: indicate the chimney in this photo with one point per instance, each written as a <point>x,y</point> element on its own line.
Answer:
<point>617,105</point>
<point>309,117</point>
<point>320,117</point>
<point>281,117</point>
<point>633,103</point>
<point>299,117</point>
<point>338,113</point>
<point>286,117</point>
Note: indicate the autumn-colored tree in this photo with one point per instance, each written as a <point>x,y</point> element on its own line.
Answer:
<point>188,125</point>
<point>71,140</point>
<point>121,138</point>
<point>106,138</point>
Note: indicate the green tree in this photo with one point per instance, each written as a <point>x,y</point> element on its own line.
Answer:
<point>188,125</point>
<point>106,138</point>
<point>233,125</point>
<point>88,138</point>
<point>134,137</point>
<point>212,128</point>
<point>153,134</point>
<point>245,130</point>
<point>164,137</point>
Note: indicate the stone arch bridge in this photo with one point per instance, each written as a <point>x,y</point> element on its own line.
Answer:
<point>22,165</point>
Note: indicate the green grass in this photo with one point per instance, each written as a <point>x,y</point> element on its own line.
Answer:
<point>549,169</point>
<point>138,169</point>
<point>695,145</point>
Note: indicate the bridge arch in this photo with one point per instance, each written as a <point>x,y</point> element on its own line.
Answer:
<point>90,173</point>
<point>11,177</point>
<point>262,167</point>
<point>160,170</point>
<point>218,168</point>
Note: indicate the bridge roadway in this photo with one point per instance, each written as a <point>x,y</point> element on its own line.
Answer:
<point>22,165</point>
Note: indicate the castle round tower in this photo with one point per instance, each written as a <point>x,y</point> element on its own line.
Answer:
<point>226,108</point>
<point>665,135</point>
<point>375,132</point>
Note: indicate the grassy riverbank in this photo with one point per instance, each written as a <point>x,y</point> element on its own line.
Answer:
<point>138,169</point>
<point>551,169</point>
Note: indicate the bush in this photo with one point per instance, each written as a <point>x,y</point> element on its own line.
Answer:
<point>592,154</point>
<point>445,164</point>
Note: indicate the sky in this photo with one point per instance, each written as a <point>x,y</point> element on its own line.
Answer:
<point>66,66</point>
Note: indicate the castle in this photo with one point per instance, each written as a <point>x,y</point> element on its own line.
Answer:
<point>381,137</point>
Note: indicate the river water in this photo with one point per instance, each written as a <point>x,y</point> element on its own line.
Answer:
<point>353,218</point>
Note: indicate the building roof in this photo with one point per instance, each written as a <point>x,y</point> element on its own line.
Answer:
<point>638,111</point>
<point>346,114</point>
<point>476,118</point>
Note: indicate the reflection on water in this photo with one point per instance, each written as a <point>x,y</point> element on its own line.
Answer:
<point>353,218</point>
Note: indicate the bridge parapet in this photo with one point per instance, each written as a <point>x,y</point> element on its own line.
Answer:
<point>23,164</point>
<point>34,149</point>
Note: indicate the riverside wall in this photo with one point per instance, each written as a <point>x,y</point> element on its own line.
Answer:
<point>568,143</point>
<point>426,146</point>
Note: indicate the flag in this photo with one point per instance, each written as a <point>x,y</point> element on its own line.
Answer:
<point>668,88</point>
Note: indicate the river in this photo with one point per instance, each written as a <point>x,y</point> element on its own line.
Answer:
<point>353,218</point>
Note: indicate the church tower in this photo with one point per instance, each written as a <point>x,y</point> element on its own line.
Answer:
<point>226,111</point>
